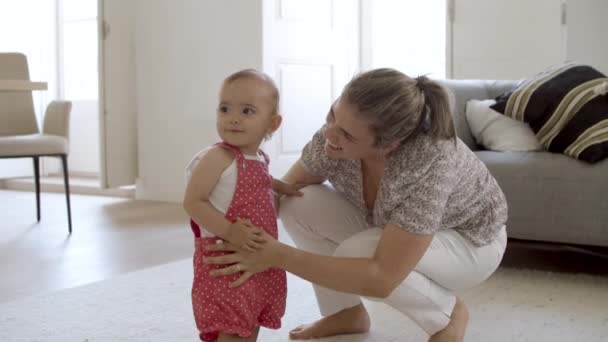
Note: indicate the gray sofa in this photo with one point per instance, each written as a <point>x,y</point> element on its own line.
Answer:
<point>551,197</point>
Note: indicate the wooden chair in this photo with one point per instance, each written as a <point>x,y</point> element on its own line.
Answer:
<point>20,136</point>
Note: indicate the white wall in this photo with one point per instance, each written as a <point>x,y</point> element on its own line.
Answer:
<point>184,49</point>
<point>497,39</point>
<point>587,33</point>
<point>487,44</point>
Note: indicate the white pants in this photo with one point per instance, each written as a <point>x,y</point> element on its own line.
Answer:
<point>323,222</point>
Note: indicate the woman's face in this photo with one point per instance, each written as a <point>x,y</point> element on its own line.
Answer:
<point>347,136</point>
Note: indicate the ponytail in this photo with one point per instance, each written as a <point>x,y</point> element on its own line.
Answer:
<point>436,112</point>
<point>399,108</point>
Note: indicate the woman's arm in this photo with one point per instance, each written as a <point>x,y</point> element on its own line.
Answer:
<point>397,254</point>
<point>298,175</point>
<point>295,179</point>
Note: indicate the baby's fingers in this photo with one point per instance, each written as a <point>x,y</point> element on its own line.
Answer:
<point>259,238</point>
<point>247,247</point>
<point>247,222</point>
<point>254,246</point>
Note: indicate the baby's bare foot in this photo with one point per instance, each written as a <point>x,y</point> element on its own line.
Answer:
<point>353,320</point>
<point>455,330</point>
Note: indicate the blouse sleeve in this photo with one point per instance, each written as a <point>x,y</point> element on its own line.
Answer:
<point>420,205</point>
<point>313,158</point>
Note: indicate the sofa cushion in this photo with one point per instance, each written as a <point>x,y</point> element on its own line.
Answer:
<point>498,132</point>
<point>567,108</point>
<point>460,91</point>
<point>552,197</point>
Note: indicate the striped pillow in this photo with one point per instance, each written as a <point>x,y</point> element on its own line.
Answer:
<point>567,108</point>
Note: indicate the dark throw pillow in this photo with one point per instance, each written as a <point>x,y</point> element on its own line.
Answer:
<point>567,108</point>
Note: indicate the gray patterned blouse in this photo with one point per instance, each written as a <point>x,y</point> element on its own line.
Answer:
<point>426,186</point>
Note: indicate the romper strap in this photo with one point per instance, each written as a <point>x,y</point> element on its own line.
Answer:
<point>237,152</point>
<point>266,159</point>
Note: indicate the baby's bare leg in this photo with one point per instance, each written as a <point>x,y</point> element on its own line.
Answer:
<point>236,338</point>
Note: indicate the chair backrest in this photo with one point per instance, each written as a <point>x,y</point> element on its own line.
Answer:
<point>17,116</point>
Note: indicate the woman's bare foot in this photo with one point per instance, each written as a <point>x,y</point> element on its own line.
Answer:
<point>353,320</point>
<point>455,330</point>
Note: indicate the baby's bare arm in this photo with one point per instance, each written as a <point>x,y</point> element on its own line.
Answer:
<point>204,178</point>
<point>196,202</point>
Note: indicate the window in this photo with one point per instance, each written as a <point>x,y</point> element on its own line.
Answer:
<point>28,28</point>
<point>78,49</point>
<point>408,35</point>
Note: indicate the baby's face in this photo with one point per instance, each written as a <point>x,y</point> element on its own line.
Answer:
<point>246,113</point>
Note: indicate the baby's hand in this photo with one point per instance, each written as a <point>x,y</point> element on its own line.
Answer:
<point>288,189</point>
<point>245,235</point>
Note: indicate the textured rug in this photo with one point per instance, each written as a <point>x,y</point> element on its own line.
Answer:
<point>154,305</point>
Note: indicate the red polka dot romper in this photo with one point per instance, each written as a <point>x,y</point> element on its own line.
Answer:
<point>261,300</point>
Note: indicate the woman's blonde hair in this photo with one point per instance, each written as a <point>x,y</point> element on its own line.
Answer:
<point>399,107</point>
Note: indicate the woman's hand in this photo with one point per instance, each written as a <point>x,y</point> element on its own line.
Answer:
<point>249,263</point>
<point>288,189</point>
<point>281,189</point>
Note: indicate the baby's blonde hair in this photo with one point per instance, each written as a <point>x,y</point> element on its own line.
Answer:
<point>252,73</point>
<point>274,90</point>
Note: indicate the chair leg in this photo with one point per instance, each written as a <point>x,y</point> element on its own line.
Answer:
<point>66,182</point>
<point>37,182</point>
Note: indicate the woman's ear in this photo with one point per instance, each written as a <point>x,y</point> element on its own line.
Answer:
<point>391,147</point>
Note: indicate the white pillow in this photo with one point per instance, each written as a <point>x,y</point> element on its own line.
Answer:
<point>497,132</point>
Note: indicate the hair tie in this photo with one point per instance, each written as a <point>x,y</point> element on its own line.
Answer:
<point>421,83</point>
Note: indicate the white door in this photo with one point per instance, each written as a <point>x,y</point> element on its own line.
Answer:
<point>498,39</point>
<point>78,59</point>
<point>311,50</point>
<point>117,93</point>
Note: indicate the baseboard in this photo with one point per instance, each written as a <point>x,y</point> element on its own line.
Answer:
<point>78,185</point>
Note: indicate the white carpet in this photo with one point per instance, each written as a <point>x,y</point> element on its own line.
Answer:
<point>154,305</point>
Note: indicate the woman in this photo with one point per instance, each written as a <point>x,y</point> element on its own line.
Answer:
<point>412,215</point>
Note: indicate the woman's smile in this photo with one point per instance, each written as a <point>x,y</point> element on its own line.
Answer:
<point>332,146</point>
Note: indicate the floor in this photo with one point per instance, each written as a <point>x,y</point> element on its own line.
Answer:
<point>117,235</point>
<point>152,305</point>
<point>110,236</point>
<point>79,184</point>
